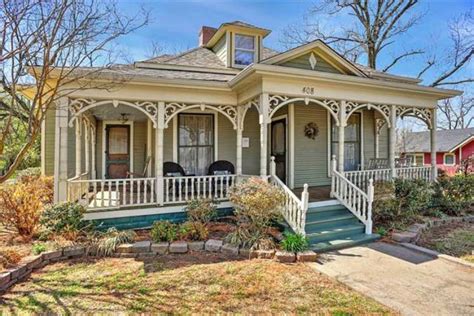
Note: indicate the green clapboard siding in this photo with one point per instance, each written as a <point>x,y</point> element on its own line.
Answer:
<point>311,156</point>
<point>383,142</point>
<point>368,135</point>
<point>139,146</point>
<point>251,155</point>
<point>49,137</point>
<point>302,62</point>
<point>226,139</point>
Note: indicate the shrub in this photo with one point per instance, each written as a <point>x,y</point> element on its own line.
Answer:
<point>164,231</point>
<point>21,204</point>
<point>193,231</point>
<point>294,242</point>
<point>38,248</point>
<point>65,219</point>
<point>9,257</point>
<point>257,207</point>
<point>111,239</point>
<point>413,195</point>
<point>201,210</point>
<point>455,195</point>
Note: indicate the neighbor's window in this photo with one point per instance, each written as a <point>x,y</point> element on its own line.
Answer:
<point>244,50</point>
<point>417,160</point>
<point>195,142</point>
<point>449,159</point>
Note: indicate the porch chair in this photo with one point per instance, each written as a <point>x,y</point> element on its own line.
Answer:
<point>377,163</point>
<point>220,168</point>
<point>173,169</point>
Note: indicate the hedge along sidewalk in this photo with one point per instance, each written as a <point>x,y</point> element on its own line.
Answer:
<point>142,250</point>
<point>409,237</point>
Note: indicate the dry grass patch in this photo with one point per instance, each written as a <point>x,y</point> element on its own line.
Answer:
<point>175,285</point>
<point>455,239</point>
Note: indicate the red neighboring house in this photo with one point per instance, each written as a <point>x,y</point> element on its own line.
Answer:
<point>453,147</point>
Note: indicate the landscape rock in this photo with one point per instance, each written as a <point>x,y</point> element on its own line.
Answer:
<point>265,254</point>
<point>160,248</point>
<point>4,278</point>
<point>230,249</point>
<point>306,256</point>
<point>213,245</point>
<point>244,252</point>
<point>404,236</point>
<point>141,246</point>
<point>179,247</point>
<point>73,251</point>
<point>124,248</point>
<point>285,256</point>
<point>32,262</point>
<point>196,245</point>
<point>52,254</point>
<point>18,271</point>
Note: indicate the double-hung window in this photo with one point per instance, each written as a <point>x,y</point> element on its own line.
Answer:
<point>352,143</point>
<point>196,142</point>
<point>449,159</point>
<point>244,53</point>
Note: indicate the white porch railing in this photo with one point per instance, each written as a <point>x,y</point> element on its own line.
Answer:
<point>183,189</point>
<point>423,173</point>
<point>112,193</point>
<point>353,197</point>
<point>294,209</point>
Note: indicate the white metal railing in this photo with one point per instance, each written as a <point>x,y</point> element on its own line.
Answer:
<point>112,193</point>
<point>353,197</point>
<point>294,209</point>
<point>423,173</point>
<point>182,189</point>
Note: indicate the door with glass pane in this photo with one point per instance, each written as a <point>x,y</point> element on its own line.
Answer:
<point>278,147</point>
<point>352,135</point>
<point>117,153</point>
<point>195,142</point>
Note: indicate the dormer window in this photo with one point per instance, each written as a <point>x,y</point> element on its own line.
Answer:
<point>244,53</point>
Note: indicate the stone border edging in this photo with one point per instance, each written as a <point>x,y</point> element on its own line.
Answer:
<point>436,254</point>
<point>141,250</point>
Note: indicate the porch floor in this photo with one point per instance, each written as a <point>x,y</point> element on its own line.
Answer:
<point>316,194</point>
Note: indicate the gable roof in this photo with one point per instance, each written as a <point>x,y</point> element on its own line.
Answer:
<point>447,140</point>
<point>310,47</point>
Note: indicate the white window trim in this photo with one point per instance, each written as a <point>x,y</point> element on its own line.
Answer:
<point>449,154</point>
<point>415,156</point>
<point>233,49</point>
<point>175,132</point>
<point>104,142</point>
<point>329,142</point>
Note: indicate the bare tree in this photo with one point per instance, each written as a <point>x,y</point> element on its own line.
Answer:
<point>372,27</point>
<point>47,45</point>
<point>456,113</point>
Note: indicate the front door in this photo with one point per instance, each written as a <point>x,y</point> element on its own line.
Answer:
<point>278,147</point>
<point>117,153</point>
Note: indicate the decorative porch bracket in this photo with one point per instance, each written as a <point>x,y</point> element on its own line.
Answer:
<point>172,109</point>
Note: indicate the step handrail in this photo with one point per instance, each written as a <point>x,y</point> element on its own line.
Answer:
<point>354,198</point>
<point>294,209</point>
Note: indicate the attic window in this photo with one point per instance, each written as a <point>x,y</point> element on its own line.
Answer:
<point>244,50</point>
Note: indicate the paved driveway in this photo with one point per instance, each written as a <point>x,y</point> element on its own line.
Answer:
<point>403,279</point>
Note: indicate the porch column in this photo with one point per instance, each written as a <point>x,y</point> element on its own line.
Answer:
<point>148,146</point>
<point>93,144</point>
<point>341,136</point>
<point>160,125</point>
<point>60,150</point>
<point>263,120</point>
<point>392,140</point>
<point>87,147</point>
<point>434,126</point>
<point>78,146</point>
<point>241,110</point>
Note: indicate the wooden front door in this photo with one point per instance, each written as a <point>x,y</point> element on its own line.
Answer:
<point>278,147</point>
<point>117,152</point>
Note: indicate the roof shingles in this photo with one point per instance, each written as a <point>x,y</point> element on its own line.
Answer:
<point>446,140</point>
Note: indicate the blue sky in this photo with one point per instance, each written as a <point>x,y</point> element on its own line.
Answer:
<point>175,24</point>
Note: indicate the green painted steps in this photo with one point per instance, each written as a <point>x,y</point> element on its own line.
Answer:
<point>331,226</point>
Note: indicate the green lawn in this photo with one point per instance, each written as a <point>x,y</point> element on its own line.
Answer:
<point>172,284</point>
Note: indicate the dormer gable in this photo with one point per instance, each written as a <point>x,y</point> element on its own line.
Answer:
<point>237,44</point>
<point>317,56</point>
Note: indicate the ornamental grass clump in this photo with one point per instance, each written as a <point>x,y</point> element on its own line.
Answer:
<point>65,219</point>
<point>257,206</point>
<point>203,210</point>
<point>294,242</point>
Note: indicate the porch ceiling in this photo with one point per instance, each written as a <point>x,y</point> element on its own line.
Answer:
<point>109,112</point>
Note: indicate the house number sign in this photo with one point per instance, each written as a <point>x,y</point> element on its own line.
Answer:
<point>308,90</point>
